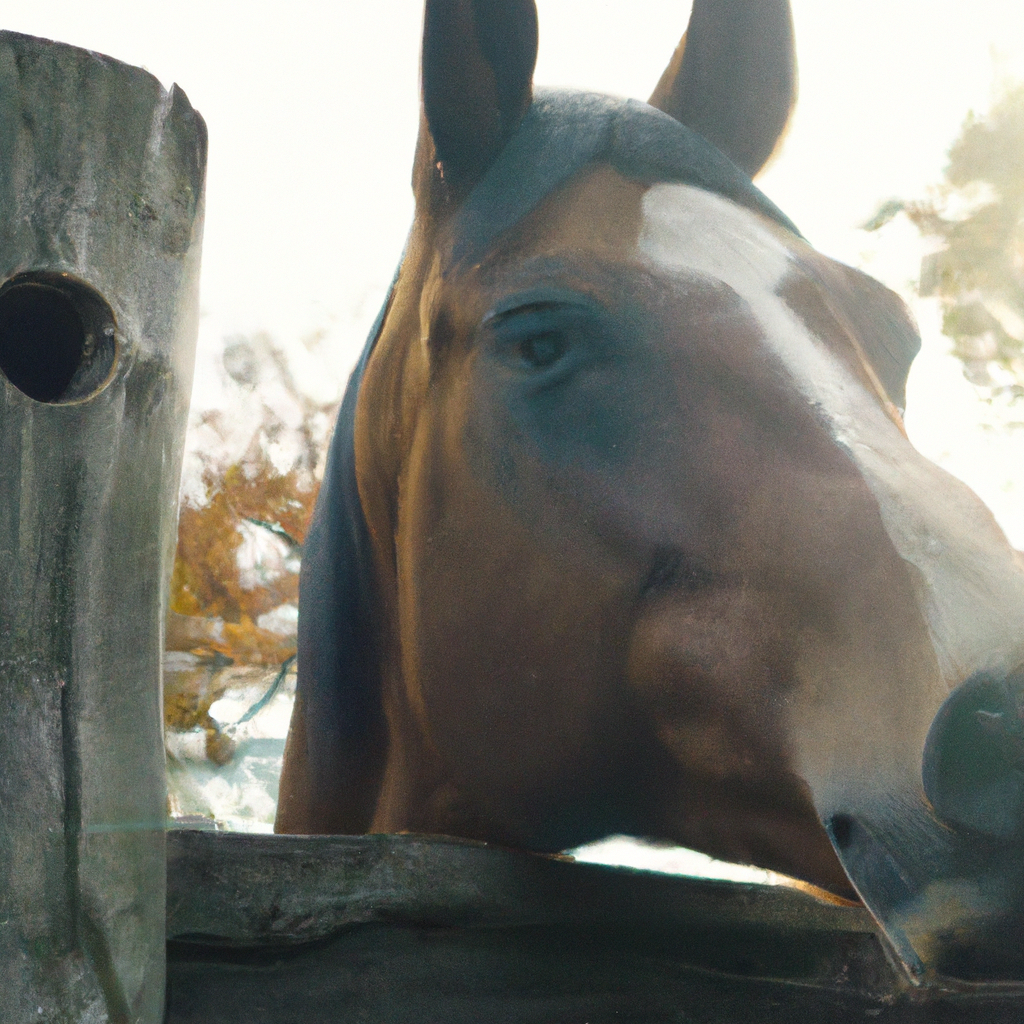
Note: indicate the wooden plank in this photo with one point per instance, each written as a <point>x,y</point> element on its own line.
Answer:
<point>275,929</point>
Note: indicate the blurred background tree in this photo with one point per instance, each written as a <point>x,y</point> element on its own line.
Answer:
<point>219,604</point>
<point>975,218</point>
<point>234,587</point>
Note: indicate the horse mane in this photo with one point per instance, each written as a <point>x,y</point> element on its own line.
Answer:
<point>565,130</point>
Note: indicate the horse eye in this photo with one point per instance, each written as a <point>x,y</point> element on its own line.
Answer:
<point>542,350</point>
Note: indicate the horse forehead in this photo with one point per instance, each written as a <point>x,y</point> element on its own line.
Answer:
<point>685,229</point>
<point>935,523</point>
<point>689,232</point>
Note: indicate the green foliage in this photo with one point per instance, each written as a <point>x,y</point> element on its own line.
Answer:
<point>977,218</point>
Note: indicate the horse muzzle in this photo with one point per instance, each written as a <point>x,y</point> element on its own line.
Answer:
<point>939,861</point>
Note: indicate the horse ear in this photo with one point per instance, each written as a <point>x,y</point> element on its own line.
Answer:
<point>478,61</point>
<point>733,77</point>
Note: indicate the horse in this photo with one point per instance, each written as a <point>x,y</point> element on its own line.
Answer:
<point>621,531</point>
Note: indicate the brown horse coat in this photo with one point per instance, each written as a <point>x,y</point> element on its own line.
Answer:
<point>621,530</point>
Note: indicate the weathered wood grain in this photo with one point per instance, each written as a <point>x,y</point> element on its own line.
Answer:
<point>101,199</point>
<point>283,929</point>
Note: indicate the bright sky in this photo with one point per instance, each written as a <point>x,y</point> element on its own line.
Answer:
<point>312,110</point>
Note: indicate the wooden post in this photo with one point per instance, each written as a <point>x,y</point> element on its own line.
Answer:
<point>101,211</point>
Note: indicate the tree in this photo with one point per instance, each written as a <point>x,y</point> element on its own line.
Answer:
<point>208,581</point>
<point>976,217</point>
<point>220,602</point>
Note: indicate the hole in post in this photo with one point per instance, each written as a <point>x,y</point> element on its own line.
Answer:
<point>41,340</point>
<point>57,337</point>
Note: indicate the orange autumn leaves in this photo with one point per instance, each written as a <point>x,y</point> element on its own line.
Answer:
<point>215,605</point>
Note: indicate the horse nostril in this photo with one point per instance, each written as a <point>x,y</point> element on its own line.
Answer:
<point>840,827</point>
<point>973,765</point>
<point>672,570</point>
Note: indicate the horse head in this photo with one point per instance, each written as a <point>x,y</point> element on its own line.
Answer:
<point>621,530</point>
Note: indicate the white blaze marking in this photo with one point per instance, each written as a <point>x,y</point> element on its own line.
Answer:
<point>970,588</point>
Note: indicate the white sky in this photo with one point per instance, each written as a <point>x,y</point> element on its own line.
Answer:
<point>312,111</point>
